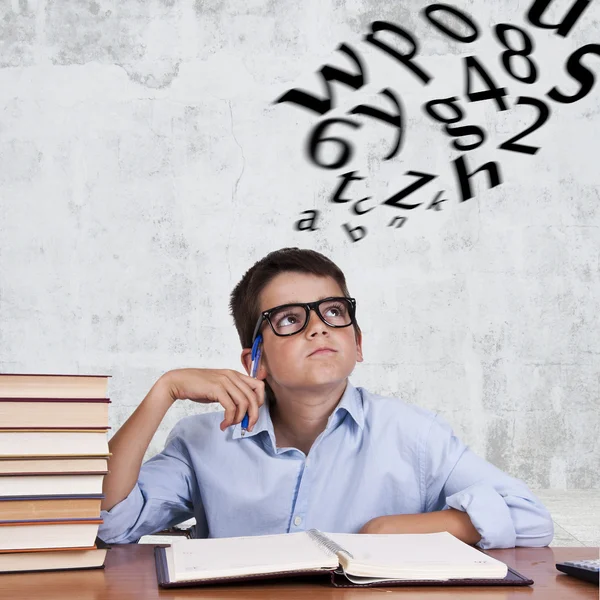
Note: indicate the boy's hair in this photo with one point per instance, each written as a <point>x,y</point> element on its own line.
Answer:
<point>244,303</point>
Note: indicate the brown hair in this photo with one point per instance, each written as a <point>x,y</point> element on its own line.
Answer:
<point>244,303</point>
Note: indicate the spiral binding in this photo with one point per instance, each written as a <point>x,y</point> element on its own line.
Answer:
<point>325,542</point>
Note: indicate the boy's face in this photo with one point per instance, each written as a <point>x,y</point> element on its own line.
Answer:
<point>287,362</point>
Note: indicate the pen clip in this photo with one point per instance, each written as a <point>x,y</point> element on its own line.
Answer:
<point>255,363</point>
<point>255,356</point>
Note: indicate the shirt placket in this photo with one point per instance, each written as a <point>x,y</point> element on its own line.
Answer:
<point>301,503</point>
<point>306,477</point>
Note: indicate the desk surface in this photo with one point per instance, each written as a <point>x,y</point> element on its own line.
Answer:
<point>130,573</point>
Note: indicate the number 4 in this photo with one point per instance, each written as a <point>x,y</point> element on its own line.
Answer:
<point>492,93</point>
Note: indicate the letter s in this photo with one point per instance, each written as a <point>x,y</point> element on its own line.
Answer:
<point>580,73</point>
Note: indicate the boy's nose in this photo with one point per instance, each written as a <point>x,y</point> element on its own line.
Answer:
<point>313,318</point>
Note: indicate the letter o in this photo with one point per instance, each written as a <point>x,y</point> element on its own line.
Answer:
<point>433,8</point>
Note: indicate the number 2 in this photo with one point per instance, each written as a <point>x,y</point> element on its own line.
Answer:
<point>543,114</point>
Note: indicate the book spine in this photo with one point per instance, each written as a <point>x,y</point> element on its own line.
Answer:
<point>59,521</point>
<point>53,473</point>
<point>97,521</point>
<point>324,542</point>
<point>55,429</point>
<point>53,497</point>
<point>23,399</point>
<point>48,375</point>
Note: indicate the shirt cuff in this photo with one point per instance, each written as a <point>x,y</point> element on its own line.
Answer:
<point>119,519</point>
<point>489,514</point>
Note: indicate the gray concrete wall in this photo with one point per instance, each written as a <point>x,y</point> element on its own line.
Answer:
<point>144,168</point>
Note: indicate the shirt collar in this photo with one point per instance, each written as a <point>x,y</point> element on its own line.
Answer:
<point>350,402</point>
<point>263,423</point>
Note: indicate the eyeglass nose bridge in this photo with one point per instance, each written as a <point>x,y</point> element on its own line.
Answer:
<point>312,306</point>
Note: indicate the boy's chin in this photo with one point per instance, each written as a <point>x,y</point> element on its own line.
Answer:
<point>319,377</point>
<point>324,379</point>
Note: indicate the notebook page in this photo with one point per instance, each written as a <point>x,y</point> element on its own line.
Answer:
<point>430,555</point>
<point>252,555</point>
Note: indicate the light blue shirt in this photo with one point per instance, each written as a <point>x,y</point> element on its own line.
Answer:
<point>377,456</point>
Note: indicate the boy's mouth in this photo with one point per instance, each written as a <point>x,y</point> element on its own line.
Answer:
<point>320,351</point>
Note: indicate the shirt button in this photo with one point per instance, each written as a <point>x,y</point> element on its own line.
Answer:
<point>307,461</point>
<point>297,521</point>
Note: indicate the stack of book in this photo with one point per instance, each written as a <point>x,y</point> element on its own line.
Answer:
<point>53,458</point>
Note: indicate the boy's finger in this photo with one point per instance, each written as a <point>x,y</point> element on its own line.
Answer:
<point>251,381</point>
<point>260,392</point>
<point>227,403</point>
<point>251,395</point>
<point>252,413</point>
<point>239,399</point>
<point>258,389</point>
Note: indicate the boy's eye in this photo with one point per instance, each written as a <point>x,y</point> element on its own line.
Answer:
<point>287,319</point>
<point>335,310</point>
<point>291,319</point>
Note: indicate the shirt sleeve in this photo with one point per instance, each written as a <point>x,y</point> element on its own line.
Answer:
<point>502,509</point>
<point>161,498</point>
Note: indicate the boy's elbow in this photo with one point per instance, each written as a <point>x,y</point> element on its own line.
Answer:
<point>539,531</point>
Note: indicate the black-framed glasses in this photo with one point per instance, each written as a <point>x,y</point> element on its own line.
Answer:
<point>289,319</point>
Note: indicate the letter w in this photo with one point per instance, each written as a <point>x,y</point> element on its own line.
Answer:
<point>329,73</point>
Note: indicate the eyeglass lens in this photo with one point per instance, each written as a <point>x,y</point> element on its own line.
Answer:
<point>291,319</point>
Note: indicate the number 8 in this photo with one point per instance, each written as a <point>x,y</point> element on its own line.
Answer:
<point>501,30</point>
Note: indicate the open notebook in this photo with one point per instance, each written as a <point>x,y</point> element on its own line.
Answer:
<point>348,559</point>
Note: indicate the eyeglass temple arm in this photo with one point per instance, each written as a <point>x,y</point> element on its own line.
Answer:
<point>257,328</point>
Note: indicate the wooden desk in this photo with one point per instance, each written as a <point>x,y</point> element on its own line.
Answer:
<point>130,573</point>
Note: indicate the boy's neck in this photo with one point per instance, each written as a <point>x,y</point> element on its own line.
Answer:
<point>300,417</point>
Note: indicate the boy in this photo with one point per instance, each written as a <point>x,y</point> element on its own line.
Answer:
<point>318,451</point>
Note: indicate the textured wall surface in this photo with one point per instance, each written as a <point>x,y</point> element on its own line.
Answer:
<point>144,167</point>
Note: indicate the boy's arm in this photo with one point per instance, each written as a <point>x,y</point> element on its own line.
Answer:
<point>130,443</point>
<point>162,496</point>
<point>144,499</point>
<point>237,393</point>
<point>453,521</point>
<point>501,509</point>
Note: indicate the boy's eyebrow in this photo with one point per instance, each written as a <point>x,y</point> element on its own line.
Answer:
<point>296,301</point>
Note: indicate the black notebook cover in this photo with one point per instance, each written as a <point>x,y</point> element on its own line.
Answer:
<point>338,579</point>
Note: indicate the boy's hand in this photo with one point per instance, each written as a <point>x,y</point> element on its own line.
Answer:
<point>456,522</point>
<point>236,392</point>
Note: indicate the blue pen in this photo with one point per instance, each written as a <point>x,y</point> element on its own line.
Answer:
<point>256,351</point>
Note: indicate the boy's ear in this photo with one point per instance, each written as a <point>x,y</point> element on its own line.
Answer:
<point>359,354</point>
<point>247,359</point>
<point>261,372</point>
